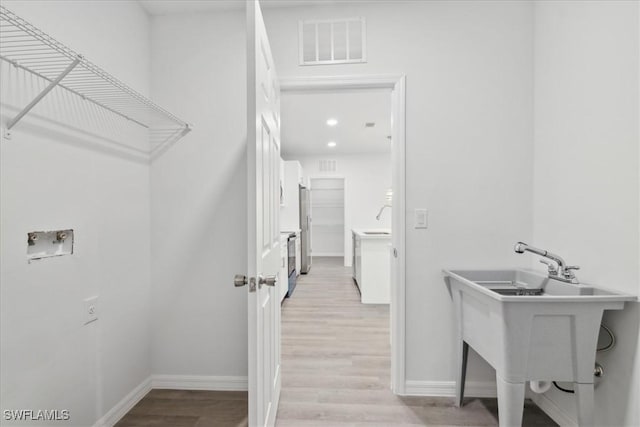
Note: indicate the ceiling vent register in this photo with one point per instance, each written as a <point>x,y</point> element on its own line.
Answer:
<point>332,41</point>
<point>328,166</point>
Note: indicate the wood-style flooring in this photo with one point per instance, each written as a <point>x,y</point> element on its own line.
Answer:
<point>335,372</point>
<point>336,364</point>
<point>188,408</point>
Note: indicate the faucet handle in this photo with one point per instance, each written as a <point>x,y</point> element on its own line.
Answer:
<point>553,268</point>
<point>568,273</point>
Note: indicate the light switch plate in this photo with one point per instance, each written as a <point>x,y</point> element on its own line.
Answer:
<point>90,310</point>
<point>421,218</point>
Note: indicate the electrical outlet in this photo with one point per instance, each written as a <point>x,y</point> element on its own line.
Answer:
<point>421,218</point>
<point>90,310</point>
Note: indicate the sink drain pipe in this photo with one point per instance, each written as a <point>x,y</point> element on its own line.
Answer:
<point>540,386</point>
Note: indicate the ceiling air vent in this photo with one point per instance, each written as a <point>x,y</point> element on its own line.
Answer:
<point>332,41</point>
<point>327,166</point>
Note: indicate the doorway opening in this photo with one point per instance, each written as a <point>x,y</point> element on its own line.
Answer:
<point>334,211</point>
<point>326,216</point>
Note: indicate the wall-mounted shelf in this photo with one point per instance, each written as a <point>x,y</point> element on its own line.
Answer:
<point>26,47</point>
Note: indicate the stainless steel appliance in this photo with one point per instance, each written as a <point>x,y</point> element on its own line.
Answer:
<point>305,227</point>
<point>291,256</point>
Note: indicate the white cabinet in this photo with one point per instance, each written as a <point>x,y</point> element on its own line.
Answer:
<point>290,205</point>
<point>372,265</point>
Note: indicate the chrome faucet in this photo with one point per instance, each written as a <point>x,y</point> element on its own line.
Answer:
<point>559,271</point>
<point>380,213</point>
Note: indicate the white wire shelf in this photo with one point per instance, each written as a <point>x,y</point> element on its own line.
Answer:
<point>28,48</point>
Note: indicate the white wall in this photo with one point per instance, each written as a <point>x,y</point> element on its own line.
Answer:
<point>469,143</point>
<point>586,171</point>
<point>198,197</point>
<point>367,179</point>
<point>71,177</point>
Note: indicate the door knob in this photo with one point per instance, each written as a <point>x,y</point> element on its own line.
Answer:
<point>269,280</point>
<point>240,280</point>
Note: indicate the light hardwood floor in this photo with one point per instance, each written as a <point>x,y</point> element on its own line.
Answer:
<point>335,372</point>
<point>336,364</point>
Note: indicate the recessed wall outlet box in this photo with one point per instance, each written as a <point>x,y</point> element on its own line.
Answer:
<point>421,218</point>
<point>45,244</point>
<point>90,310</point>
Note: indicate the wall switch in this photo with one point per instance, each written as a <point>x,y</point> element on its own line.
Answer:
<point>421,218</point>
<point>90,310</point>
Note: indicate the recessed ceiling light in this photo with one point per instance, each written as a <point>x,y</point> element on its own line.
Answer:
<point>332,122</point>
<point>331,144</point>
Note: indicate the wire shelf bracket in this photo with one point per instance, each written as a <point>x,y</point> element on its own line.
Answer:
<point>11,123</point>
<point>28,48</point>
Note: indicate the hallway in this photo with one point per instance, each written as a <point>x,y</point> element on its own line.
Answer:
<point>336,363</point>
<point>335,351</point>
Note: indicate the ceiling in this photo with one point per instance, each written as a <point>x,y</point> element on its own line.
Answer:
<point>167,7</point>
<point>304,122</point>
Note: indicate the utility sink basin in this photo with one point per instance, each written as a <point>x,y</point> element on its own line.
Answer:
<point>529,327</point>
<point>502,284</point>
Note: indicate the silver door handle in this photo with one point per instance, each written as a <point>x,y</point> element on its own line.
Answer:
<point>269,280</point>
<point>240,280</point>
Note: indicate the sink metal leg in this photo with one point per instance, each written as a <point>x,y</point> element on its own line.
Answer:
<point>585,402</point>
<point>463,354</point>
<point>510,403</point>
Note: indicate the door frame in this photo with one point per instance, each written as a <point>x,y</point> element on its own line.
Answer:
<point>397,84</point>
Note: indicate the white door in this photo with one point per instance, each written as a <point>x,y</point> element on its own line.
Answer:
<point>263,171</point>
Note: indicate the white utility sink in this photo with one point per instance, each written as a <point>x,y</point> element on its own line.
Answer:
<point>529,327</point>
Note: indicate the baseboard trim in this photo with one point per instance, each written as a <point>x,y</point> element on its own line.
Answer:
<point>199,382</point>
<point>448,388</point>
<point>556,413</point>
<point>121,408</point>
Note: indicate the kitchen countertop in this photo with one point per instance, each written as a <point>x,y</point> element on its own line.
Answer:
<point>360,232</point>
